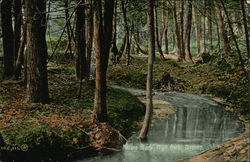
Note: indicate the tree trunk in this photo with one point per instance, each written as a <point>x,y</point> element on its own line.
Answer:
<point>20,56</point>
<point>138,47</point>
<point>204,24</point>
<point>80,45</point>
<point>68,26</point>
<point>177,33</point>
<point>181,13</point>
<point>37,81</point>
<point>222,26</point>
<point>17,25</point>
<point>188,28</point>
<point>165,31</point>
<point>234,37</point>
<point>157,34</point>
<point>8,39</point>
<point>199,32</point>
<point>149,104</point>
<point>245,27</point>
<point>102,42</point>
<point>90,33</point>
<point>114,48</point>
<point>127,33</point>
<point>210,25</point>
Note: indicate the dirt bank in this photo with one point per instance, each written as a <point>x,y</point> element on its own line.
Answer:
<point>234,150</point>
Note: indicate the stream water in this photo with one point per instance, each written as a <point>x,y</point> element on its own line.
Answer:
<point>198,125</point>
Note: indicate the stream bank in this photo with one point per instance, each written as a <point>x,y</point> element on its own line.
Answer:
<point>198,125</point>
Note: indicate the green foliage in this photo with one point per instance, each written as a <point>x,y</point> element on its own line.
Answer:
<point>219,90</point>
<point>40,137</point>
<point>124,109</point>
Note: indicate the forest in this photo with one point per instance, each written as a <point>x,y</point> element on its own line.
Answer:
<point>124,80</point>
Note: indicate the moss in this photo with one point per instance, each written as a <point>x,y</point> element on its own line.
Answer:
<point>123,109</point>
<point>40,135</point>
<point>219,90</point>
<point>43,141</point>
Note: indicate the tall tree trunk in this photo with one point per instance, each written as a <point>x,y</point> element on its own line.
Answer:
<point>177,33</point>
<point>188,28</point>
<point>199,32</point>
<point>127,33</point>
<point>17,25</point>
<point>165,31</point>
<point>245,27</point>
<point>114,48</point>
<point>157,34</point>
<point>222,26</point>
<point>8,39</point>
<point>37,81</point>
<point>68,26</point>
<point>80,44</point>
<point>20,56</point>
<point>181,14</point>
<point>204,24</point>
<point>233,36</point>
<point>102,42</point>
<point>151,49</point>
<point>90,34</point>
<point>210,25</point>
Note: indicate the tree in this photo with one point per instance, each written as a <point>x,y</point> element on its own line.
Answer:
<point>181,25</point>
<point>8,39</point>
<point>157,34</point>
<point>234,37</point>
<point>80,44</point>
<point>245,27</point>
<point>90,33</point>
<point>20,55</point>
<point>151,49</point>
<point>188,28</point>
<point>199,31</point>
<point>17,25</point>
<point>114,48</point>
<point>127,33</point>
<point>222,26</point>
<point>165,30</point>
<point>210,24</point>
<point>103,22</point>
<point>68,26</point>
<point>37,82</point>
<point>177,34</point>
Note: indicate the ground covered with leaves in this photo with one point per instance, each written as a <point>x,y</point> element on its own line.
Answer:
<point>64,127</point>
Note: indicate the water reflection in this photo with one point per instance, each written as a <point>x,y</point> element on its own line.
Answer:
<point>199,124</point>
